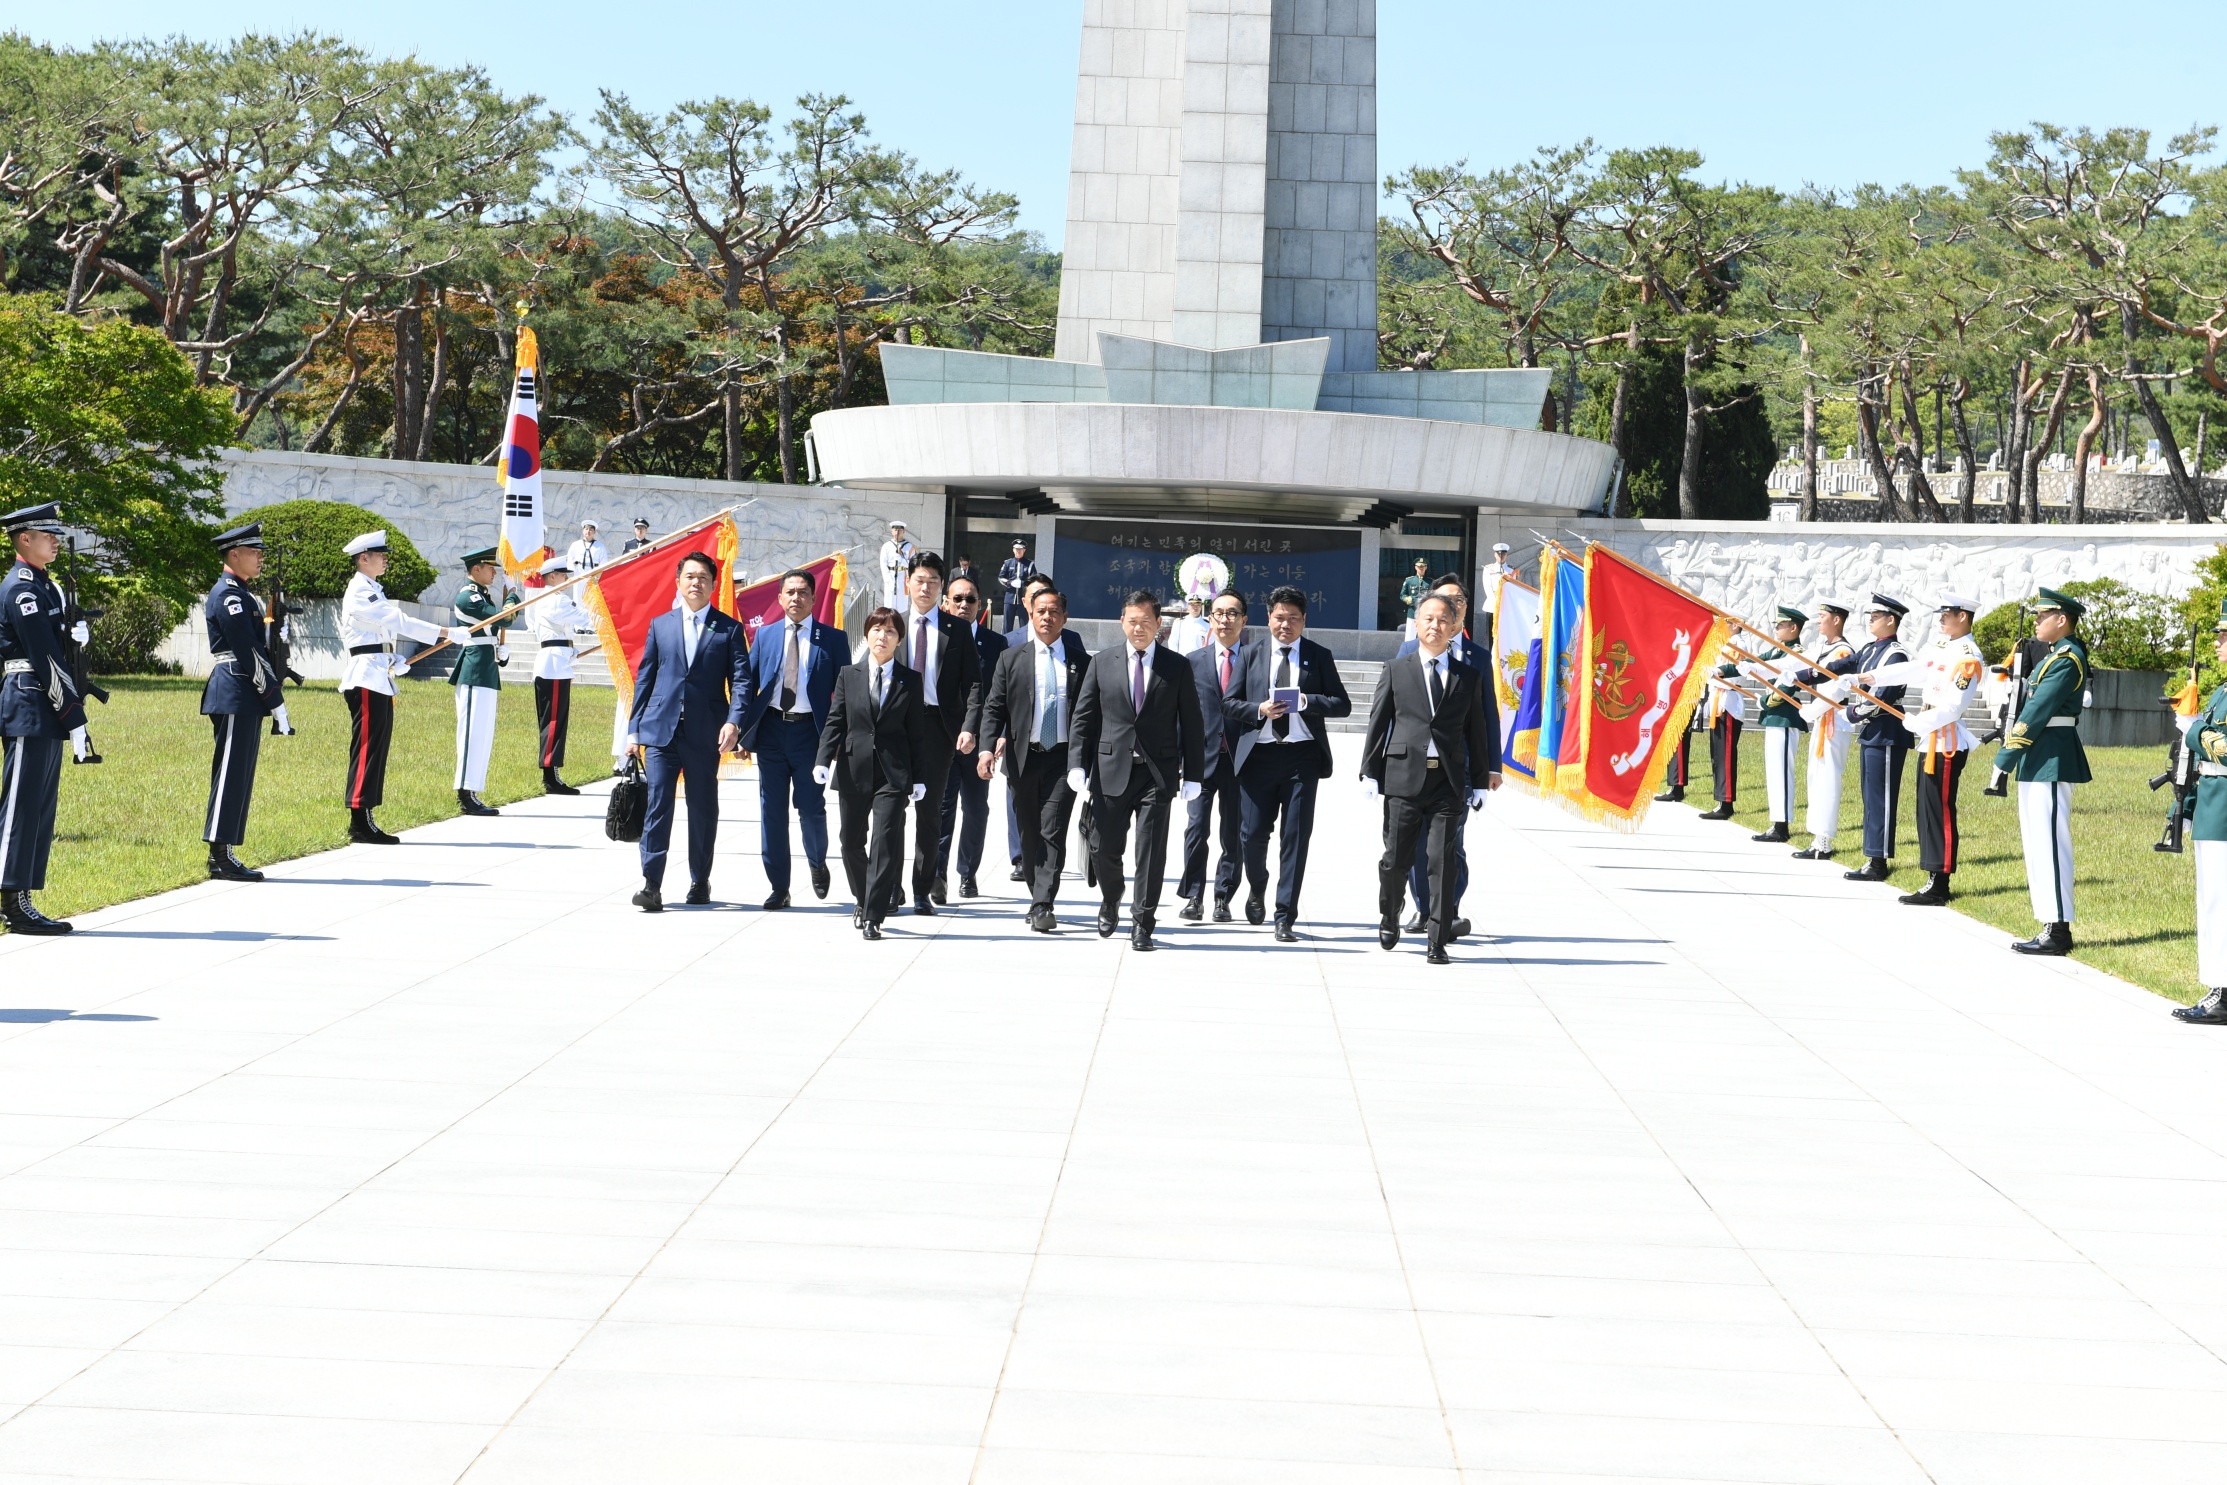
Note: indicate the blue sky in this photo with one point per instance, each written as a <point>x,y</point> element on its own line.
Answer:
<point>1783,93</point>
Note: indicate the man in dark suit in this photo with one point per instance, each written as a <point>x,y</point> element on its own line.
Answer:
<point>1026,721</point>
<point>688,690</point>
<point>966,794</point>
<point>1217,668</point>
<point>876,741</point>
<point>1433,746</point>
<point>1282,751</point>
<point>939,648</point>
<point>793,665</point>
<point>1469,652</point>
<point>1138,738</point>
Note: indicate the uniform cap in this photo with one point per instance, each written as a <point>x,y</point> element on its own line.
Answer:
<point>1019,542</point>
<point>250,535</point>
<point>484,554</point>
<point>1950,598</point>
<point>1839,606</point>
<point>591,521</point>
<point>896,525</point>
<point>1882,604</point>
<point>370,541</point>
<point>642,521</point>
<point>1792,615</point>
<point>558,563</point>
<point>2072,608</point>
<point>47,518</point>
<point>1500,546</point>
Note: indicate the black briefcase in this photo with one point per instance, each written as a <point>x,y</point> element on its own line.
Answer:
<point>630,800</point>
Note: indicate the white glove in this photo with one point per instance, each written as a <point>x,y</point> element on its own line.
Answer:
<point>821,773</point>
<point>1836,688</point>
<point>1813,710</point>
<point>278,715</point>
<point>919,792</point>
<point>396,665</point>
<point>1369,789</point>
<point>81,742</point>
<point>502,654</point>
<point>1477,798</point>
<point>1077,780</point>
<point>1190,790</point>
<point>82,632</point>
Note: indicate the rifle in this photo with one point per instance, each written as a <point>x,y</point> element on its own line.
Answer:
<point>2180,770</point>
<point>2015,698</point>
<point>73,653</point>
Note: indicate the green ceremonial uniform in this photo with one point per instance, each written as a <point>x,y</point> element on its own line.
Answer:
<point>2208,736</point>
<point>477,665</point>
<point>2043,745</point>
<point>1775,713</point>
<point>1411,593</point>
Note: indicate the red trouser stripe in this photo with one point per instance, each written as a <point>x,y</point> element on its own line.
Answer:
<point>1948,815</point>
<point>360,765</point>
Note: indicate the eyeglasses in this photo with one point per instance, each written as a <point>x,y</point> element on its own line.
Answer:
<point>964,598</point>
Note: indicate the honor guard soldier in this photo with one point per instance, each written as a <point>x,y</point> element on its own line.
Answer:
<point>2207,741</point>
<point>1831,732</point>
<point>557,623</point>
<point>1882,743</point>
<point>1780,718</point>
<point>369,622</point>
<point>243,687</point>
<point>478,676</point>
<point>2042,752</point>
<point>39,707</point>
<point>1944,673</point>
<point>1721,704</point>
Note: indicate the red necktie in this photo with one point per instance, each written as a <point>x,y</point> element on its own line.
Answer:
<point>1225,672</point>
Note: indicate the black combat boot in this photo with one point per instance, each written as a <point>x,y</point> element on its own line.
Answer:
<point>1777,835</point>
<point>1935,893</point>
<point>365,831</point>
<point>2210,1011</point>
<point>472,804</point>
<point>551,784</point>
<point>2054,940</point>
<point>226,867</point>
<point>1675,794</point>
<point>1873,870</point>
<point>1721,812</point>
<point>21,917</point>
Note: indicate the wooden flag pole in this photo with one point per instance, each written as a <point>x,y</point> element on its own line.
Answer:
<point>1812,690</point>
<point>1766,685</point>
<point>637,554</point>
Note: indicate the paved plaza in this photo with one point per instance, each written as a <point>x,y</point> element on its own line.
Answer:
<point>441,1163</point>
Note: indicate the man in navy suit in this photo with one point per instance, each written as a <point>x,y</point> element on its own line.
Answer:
<point>966,793</point>
<point>688,693</point>
<point>1282,751</point>
<point>785,696</point>
<point>1469,652</point>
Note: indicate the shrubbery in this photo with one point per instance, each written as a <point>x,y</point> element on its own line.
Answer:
<point>134,620</point>
<point>303,539</point>
<point>2124,629</point>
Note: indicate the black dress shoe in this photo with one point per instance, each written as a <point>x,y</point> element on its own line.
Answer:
<point>1436,954</point>
<point>1019,875</point>
<point>22,917</point>
<point>2210,1011</point>
<point>1777,835</point>
<point>472,804</point>
<point>226,867</point>
<point>551,784</point>
<point>937,894</point>
<point>1721,812</point>
<point>1873,870</point>
<point>649,899</point>
<point>1388,933</point>
<point>1043,920</point>
<point>1256,907</point>
<point>1812,853</point>
<point>777,901</point>
<point>924,908</point>
<point>858,918</point>
<point>1194,909</point>
<point>1935,893</point>
<point>1140,937</point>
<point>1285,934</point>
<point>1108,920</point>
<point>1671,796</point>
<point>1414,923</point>
<point>872,932</point>
<point>819,881</point>
<point>1459,928</point>
<point>1221,911</point>
<point>967,888</point>
<point>2055,941</point>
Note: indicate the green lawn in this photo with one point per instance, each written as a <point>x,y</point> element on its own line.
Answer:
<point>2136,907</point>
<point>132,825</point>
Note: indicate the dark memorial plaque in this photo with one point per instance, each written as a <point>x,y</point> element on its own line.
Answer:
<point>1098,563</point>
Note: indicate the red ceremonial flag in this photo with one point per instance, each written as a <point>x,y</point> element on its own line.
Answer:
<point>758,604</point>
<point>625,596</point>
<point>1649,645</point>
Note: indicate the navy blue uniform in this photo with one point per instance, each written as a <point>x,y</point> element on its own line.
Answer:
<point>1885,745</point>
<point>242,689</point>
<point>39,708</point>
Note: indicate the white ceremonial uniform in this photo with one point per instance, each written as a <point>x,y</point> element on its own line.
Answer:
<point>1781,745</point>
<point>1830,735</point>
<point>368,617</point>
<point>1191,632</point>
<point>586,554</point>
<point>895,554</point>
<point>1488,585</point>
<point>1944,673</point>
<point>557,625</point>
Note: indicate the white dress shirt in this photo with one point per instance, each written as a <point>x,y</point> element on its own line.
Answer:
<point>1297,730</point>
<point>934,665</point>
<point>1439,668</point>
<point>691,631</point>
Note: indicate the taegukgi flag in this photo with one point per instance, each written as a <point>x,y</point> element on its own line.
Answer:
<point>518,470</point>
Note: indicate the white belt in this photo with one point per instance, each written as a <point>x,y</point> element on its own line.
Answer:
<point>2212,770</point>
<point>479,641</point>
<point>2063,722</point>
<point>16,667</point>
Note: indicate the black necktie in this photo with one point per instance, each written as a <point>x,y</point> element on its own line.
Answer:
<point>1433,685</point>
<point>1283,682</point>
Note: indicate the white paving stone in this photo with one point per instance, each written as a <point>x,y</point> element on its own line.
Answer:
<point>441,1163</point>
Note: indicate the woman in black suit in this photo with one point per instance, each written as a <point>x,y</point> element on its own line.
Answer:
<point>872,749</point>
